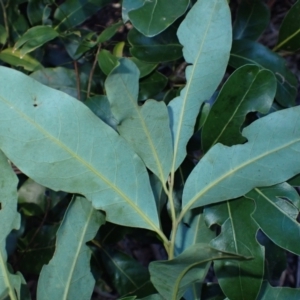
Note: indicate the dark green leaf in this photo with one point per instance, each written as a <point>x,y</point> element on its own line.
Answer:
<point>155,16</point>
<point>249,52</point>
<point>171,278</point>
<point>144,67</point>
<point>279,293</point>
<point>289,33</point>
<point>73,12</point>
<point>128,5</point>
<point>109,32</point>
<point>248,89</point>
<point>34,38</point>
<point>238,279</point>
<point>18,22</point>
<point>3,35</point>
<point>163,47</point>
<point>151,85</point>
<point>281,225</point>
<point>38,11</point>
<point>107,61</point>
<point>251,20</point>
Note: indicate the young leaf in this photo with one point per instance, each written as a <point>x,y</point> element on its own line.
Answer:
<point>251,20</point>
<point>281,225</point>
<point>248,52</point>
<point>14,58</point>
<point>34,38</point>
<point>163,47</point>
<point>171,278</point>
<point>153,17</point>
<point>238,235</point>
<point>145,127</point>
<point>230,172</point>
<point>248,89</point>
<point>10,284</point>
<point>68,276</point>
<point>74,12</point>
<point>289,33</point>
<point>78,154</point>
<point>207,42</point>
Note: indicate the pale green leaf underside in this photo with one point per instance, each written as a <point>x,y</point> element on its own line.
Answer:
<point>57,141</point>
<point>68,275</point>
<point>207,43</point>
<point>9,220</point>
<point>270,156</point>
<point>145,127</point>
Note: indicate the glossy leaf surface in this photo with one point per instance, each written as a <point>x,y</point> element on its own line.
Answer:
<point>73,278</point>
<point>273,200</point>
<point>251,20</point>
<point>171,278</point>
<point>78,154</point>
<point>248,89</point>
<point>128,5</point>
<point>145,127</point>
<point>289,33</point>
<point>10,284</point>
<point>230,172</point>
<point>153,17</point>
<point>238,279</point>
<point>249,52</point>
<point>207,53</point>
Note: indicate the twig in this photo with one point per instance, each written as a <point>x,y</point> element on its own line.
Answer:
<point>92,72</point>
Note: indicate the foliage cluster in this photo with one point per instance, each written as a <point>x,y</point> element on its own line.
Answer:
<point>183,133</point>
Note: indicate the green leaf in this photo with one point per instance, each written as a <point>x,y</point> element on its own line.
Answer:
<point>109,32</point>
<point>248,89</point>
<point>144,67</point>
<point>268,292</point>
<point>127,275</point>
<point>79,154</point>
<point>238,279</point>
<point>249,52</point>
<point>10,284</point>
<point>73,12</point>
<point>230,172</point>
<point>155,16</point>
<point>289,33</point>
<point>34,38</point>
<point>128,5</point>
<point>151,85</point>
<point>281,226</point>
<point>153,297</point>
<point>3,35</point>
<point>68,276</point>
<point>208,53</point>
<point>17,21</point>
<point>171,278</point>
<point>163,47</point>
<point>63,79</point>
<point>145,127</point>
<point>107,61</point>
<point>14,58</point>
<point>251,20</point>
<point>38,11</point>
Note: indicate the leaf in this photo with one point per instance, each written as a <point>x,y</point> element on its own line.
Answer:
<point>230,172</point>
<point>249,52</point>
<point>3,35</point>
<point>34,38</point>
<point>38,11</point>
<point>151,85</point>
<point>17,22</point>
<point>62,79</point>
<point>74,12</point>
<point>171,278</point>
<point>128,5</point>
<point>107,61</point>
<point>248,89</point>
<point>153,17</point>
<point>281,226</point>
<point>163,47</point>
<point>127,275</point>
<point>68,276</point>
<point>14,58</point>
<point>277,293</point>
<point>144,67</point>
<point>153,297</point>
<point>10,284</point>
<point>238,235</point>
<point>109,32</point>
<point>208,53</point>
<point>251,20</point>
<point>79,154</point>
<point>289,32</point>
<point>145,127</point>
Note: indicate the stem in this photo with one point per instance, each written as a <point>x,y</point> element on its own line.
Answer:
<point>92,72</point>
